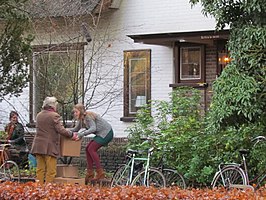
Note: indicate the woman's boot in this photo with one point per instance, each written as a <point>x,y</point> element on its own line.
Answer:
<point>100,174</point>
<point>89,176</point>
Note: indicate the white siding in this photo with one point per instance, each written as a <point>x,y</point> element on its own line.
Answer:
<point>157,16</point>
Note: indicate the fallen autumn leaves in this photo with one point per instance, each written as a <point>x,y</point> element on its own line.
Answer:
<point>31,190</point>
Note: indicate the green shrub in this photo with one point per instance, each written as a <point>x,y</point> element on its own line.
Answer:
<point>173,126</point>
<point>178,131</point>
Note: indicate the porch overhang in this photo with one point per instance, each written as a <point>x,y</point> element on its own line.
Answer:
<point>167,39</point>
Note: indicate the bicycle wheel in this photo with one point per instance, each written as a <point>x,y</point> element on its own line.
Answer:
<point>173,178</point>
<point>154,178</point>
<point>121,176</point>
<point>229,175</point>
<point>9,171</point>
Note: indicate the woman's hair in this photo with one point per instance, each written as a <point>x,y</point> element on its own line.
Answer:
<point>49,102</point>
<point>81,108</point>
<point>12,113</point>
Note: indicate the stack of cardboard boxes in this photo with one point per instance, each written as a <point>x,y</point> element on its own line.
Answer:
<point>67,173</point>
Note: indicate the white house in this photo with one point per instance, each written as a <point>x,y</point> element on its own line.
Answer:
<point>140,50</point>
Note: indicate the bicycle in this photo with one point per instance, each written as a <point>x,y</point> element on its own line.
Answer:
<point>9,170</point>
<point>172,176</point>
<point>137,171</point>
<point>234,175</point>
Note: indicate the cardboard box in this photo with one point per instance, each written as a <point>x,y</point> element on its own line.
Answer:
<point>66,171</point>
<point>69,147</point>
<point>78,181</point>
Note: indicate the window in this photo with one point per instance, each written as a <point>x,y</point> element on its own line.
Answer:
<point>57,71</point>
<point>189,64</point>
<point>136,81</point>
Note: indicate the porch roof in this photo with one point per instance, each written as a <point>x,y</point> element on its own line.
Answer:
<point>201,37</point>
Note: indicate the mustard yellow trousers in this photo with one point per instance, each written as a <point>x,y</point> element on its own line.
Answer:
<point>46,168</point>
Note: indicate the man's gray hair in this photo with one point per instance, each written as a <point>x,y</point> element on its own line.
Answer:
<point>49,102</point>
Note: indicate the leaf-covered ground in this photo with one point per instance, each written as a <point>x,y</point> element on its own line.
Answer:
<point>31,190</point>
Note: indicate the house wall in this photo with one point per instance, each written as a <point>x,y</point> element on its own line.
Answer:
<point>133,17</point>
<point>211,73</point>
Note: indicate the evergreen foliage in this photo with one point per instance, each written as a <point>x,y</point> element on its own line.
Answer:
<point>15,47</point>
<point>239,94</point>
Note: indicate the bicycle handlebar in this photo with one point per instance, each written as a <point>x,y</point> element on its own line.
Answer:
<point>258,139</point>
<point>131,151</point>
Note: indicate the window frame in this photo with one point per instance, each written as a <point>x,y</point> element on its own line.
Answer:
<point>129,117</point>
<point>52,48</point>
<point>177,65</point>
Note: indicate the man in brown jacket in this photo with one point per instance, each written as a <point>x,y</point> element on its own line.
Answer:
<point>46,143</point>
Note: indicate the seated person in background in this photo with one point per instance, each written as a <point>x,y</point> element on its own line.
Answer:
<point>15,136</point>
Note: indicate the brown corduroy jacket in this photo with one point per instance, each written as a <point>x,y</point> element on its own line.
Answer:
<point>48,131</point>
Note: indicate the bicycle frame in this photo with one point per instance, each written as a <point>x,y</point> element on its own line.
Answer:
<point>146,161</point>
<point>244,164</point>
<point>245,168</point>
<point>257,179</point>
<point>133,166</point>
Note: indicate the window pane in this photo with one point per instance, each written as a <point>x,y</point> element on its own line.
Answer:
<point>190,63</point>
<point>57,74</point>
<point>137,83</point>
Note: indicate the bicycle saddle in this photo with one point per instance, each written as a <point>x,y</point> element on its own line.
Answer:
<point>244,151</point>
